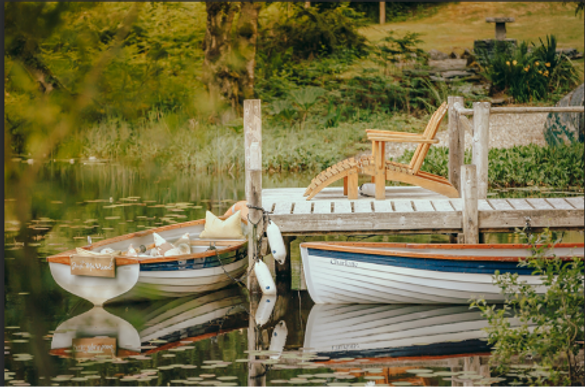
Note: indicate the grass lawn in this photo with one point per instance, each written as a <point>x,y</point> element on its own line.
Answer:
<point>455,26</point>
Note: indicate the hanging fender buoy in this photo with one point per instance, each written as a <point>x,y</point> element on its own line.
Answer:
<point>264,278</point>
<point>276,242</point>
<point>368,189</point>
<point>278,339</point>
<point>265,308</point>
<point>239,206</point>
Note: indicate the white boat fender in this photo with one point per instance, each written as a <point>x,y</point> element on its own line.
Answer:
<point>265,308</point>
<point>368,189</point>
<point>264,278</point>
<point>276,242</point>
<point>278,339</point>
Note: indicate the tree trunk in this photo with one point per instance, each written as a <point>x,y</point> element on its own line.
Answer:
<point>230,54</point>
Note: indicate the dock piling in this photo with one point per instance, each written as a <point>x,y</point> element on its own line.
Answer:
<point>456,143</point>
<point>481,124</point>
<point>469,213</point>
<point>253,173</point>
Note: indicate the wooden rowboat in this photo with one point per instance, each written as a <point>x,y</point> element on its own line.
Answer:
<point>209,267</point>
<point>398,273</point>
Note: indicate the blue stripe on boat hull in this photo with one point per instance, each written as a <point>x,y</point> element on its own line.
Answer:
<point>196,264</point>
<point>443,265</point>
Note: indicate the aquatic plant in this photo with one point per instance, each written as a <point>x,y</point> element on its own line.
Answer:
<point>551,324</point>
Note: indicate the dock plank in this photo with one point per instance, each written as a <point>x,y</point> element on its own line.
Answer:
<point>500,205</point>
<point>577,202</point>
<point>403,206</point>
<point>457,204</point>
<point>382,206</point>
<point>342,207</point>
<point>362,207</point>
<point>302,208</point>
<point>520,204</point>
<point>539,204</point>
<point>423,205</point>
<point>443,205</point>
<point>559,204</point>
<point>322,208</point>
<point>283,208</point>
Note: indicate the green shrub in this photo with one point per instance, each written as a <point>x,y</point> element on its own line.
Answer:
<point>520,166</point>
<point>530,76</point>
<point>550,324</point>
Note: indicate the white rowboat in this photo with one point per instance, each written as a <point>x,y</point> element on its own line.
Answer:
<point>212,265</point>
<point>400,273</point>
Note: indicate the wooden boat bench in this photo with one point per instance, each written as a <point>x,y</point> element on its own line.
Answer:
<point>381,169</point>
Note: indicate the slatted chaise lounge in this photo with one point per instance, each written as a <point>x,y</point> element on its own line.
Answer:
<point>381,170</point>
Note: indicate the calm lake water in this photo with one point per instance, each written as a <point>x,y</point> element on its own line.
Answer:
<point>206,340</point>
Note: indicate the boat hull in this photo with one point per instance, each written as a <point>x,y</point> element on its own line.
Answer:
<point>338,273</point>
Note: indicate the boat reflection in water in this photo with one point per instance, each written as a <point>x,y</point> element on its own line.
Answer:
<point>363,330</point>
<point>178,322</point>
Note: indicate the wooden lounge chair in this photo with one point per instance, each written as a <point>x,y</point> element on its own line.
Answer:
<point>382,170</point>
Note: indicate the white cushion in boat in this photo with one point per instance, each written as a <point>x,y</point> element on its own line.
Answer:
<point>222,229</point>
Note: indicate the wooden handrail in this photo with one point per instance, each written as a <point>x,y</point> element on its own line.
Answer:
<point>521,109</point>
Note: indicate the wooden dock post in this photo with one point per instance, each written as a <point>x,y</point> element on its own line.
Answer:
<point>481,124</point>
<point>456,143</point>
<point>469,213</point>
<point>253,168</point>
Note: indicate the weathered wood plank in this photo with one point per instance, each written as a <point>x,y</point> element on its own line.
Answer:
<point>539,204</point>
<point>383,206</point>
<point>484,205</point>
<point>302,208</point>
<point>559,203</point>
<point>538,218</point>
<point>342,207</point>
<point>362,206</point>
<point>456,143</point>
<point>373,221</point>
<point>322,208</point>
<point>520,204</point>
<point>282,208</point>
<point>501,205</point>
<point>403,206</point>
<point>457,204</point>
<point>443,205</point>
<point>577,202</point>
<point>423,205</point>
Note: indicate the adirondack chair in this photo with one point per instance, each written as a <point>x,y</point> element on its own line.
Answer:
<point>383,170</point>
<point>380,169</point>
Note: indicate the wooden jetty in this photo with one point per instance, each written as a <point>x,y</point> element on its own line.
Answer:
<point>412,210</point>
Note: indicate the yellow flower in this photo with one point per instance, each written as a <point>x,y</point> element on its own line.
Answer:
<point>508,62</point>
<point>539,71</point>
<point>536,63</point>
<point>547,64</point>
<point>545,74</point>
<point>526,69</point>
<point>514,62</point>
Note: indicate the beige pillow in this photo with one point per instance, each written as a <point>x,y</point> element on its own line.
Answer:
<point>215,228</point>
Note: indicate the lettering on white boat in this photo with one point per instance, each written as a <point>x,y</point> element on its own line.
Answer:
<point>90,347</point>
<point>345,347</point>
<point>94,266</point>
<point>341,262</point>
